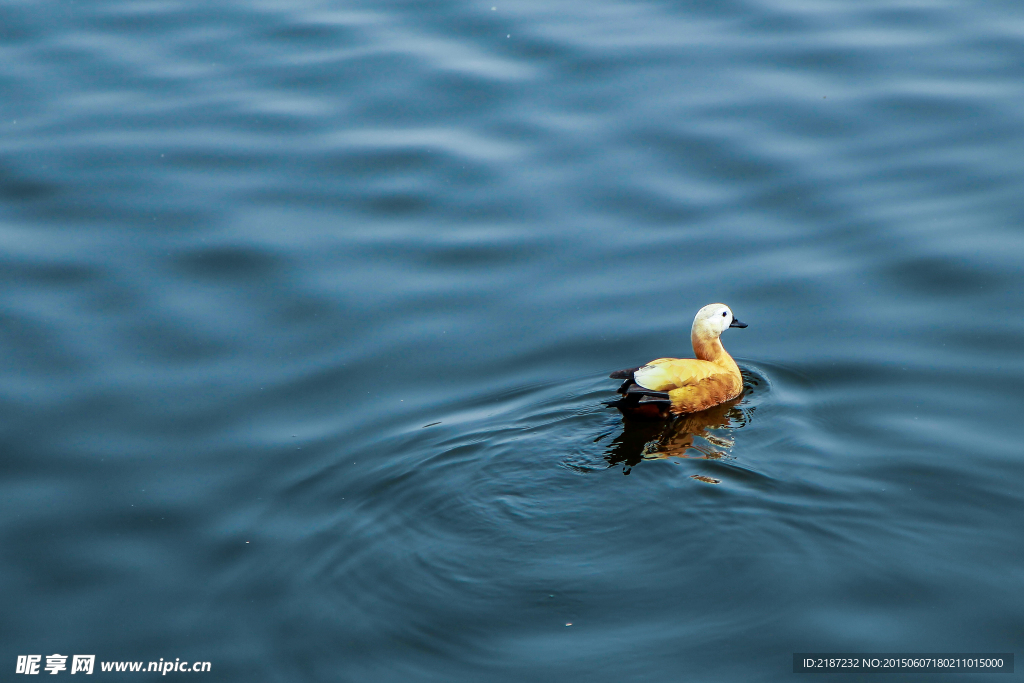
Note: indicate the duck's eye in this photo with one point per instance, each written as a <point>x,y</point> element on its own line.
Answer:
<point>723,314</point>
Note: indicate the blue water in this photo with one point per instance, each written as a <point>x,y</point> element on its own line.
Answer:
<point>307,311</point>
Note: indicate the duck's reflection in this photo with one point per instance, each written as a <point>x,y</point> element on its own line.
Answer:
<point>685,436</point>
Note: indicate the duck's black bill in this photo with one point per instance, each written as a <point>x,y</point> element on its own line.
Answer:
<point>737,323</point>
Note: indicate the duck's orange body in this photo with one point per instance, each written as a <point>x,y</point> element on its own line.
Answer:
<point>686,385</point>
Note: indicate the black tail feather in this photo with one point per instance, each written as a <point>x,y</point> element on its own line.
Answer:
<point>625,374</point>
<point>637,401</point>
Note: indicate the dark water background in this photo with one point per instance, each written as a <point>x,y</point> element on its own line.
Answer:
<point>248,250</point>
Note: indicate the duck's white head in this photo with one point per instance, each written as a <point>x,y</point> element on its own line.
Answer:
<point>712,320</point>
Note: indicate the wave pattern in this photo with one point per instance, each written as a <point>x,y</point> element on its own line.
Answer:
<point>306,310</point>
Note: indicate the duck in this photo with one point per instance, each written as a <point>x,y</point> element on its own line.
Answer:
<point>679,386</point>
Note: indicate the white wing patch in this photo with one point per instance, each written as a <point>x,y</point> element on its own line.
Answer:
<point>651,377</point>
<point>666,374</point>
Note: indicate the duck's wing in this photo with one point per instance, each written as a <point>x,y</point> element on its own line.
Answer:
<point>666,374</point>
<point>628,373</point>
<point>645,393</point>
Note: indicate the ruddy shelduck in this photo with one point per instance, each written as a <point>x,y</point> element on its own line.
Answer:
<point>685,385</point>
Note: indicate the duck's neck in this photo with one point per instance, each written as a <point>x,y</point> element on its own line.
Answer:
<point>711,350</point>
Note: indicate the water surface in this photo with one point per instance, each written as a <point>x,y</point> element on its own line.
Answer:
<point>308,309</point>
